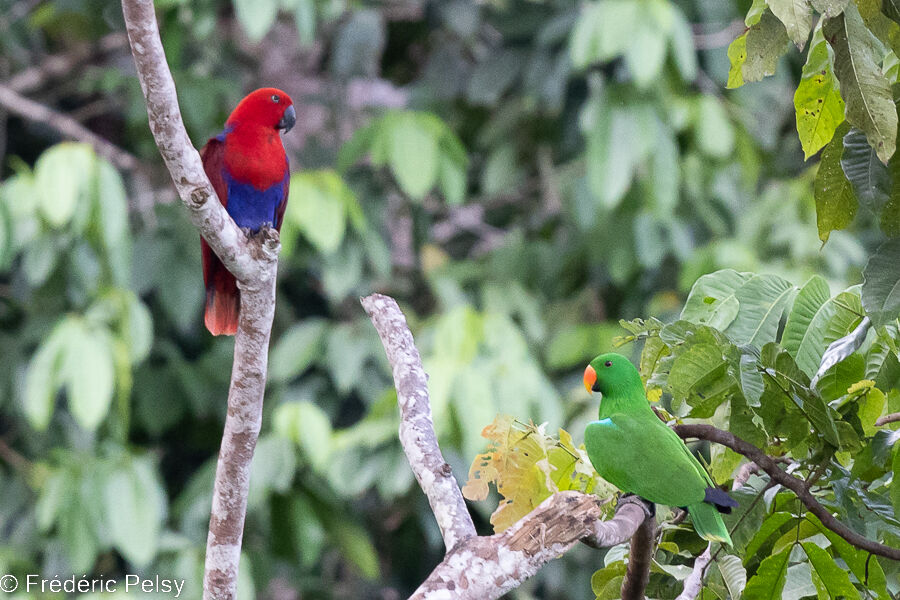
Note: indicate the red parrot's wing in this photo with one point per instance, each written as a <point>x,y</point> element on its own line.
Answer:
<point>279,214</point>
<point>222,296</point>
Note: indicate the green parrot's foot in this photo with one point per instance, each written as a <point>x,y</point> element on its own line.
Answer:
<point>629,498</point>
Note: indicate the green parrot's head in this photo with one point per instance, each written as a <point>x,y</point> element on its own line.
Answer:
<point>611,372</point>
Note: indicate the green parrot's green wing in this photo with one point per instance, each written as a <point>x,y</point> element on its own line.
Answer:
<point>642,456</point>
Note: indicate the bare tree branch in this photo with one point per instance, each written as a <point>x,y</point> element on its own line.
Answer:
<point>886,419</point>
<point>795,484</point>
<point>481,568</point>
<point>254,262</point>
<point>28,109</point>
<point>485,568</point>
<point>58,65</point>
<point>416,427</point>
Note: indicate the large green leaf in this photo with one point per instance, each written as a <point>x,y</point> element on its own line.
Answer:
<point>318,208</point>
<point>866,92</point>
<point>818,104</point>
<point>796,17</point>
<point>895,483</point>
<point>700,377</point>
<point>806,332</point>
<point>62,175</point>
<point>713,299</point>
<point>733,573</point>
<point>762,299</point>
<point>865,172</point>
<point>296,349</point>
<point>412,153</point>
<point>89,374</point>
<point>766,42</point>
<point>829,8</point>
<point>134,506</point>
<point>836,203</point>
<point>43,377</point>
<point>881,290</point>
<point>768,582</point>
<point>256,16</point>
<point>832,579</point>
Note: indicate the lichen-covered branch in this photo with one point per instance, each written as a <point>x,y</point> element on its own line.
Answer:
<point>253,261</point>
<point>416,426</point>
<point>485,568</point>
<point>795,484</point>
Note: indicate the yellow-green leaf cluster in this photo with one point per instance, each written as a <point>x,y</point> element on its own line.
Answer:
<point>527,466</point>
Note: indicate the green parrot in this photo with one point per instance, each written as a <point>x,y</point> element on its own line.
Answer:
<point>636,452</point>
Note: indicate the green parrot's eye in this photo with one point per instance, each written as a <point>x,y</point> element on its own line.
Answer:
<point>608,363</point>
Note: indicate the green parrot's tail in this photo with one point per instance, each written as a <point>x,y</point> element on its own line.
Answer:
<point>708,523</point>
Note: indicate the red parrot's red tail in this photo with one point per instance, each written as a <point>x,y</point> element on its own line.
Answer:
<point>223,299</point>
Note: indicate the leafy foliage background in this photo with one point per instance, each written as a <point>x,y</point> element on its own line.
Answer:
<point>520,175</point>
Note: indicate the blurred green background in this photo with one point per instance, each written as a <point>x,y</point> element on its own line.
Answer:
<point>518,174</point>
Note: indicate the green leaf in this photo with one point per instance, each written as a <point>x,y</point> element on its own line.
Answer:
<point>881,289</point>
<point>682,44</point>
<point>43,378</point>
<point>835,579</point>
<point>818,104</point>
<point>296,349</point>
<point>737,56</point>
<point>111,218</point>
<point>868,175</point>
<point>733,573</point>
<point>700,377</point>
<point>309,427</point>
<point>317,207</point>
<point>89,374</point>
<point>256,16</point>
<point>806,330</point>
<point>768,582</point>
<point>62,176</point>
<point>714,133</point>
<point>796,17</point>
<point>829,8</point>
<point>134,504</point>
<point>305,19</point>
<point>356,546</point>
<point>766,42</point>
<point>772,524</point>
<point>891,9</point>
<point>713,299</point>
<point>866,92</point>
<point>836,203</point>
<point>762,300</point>
<point>452,179</point>
<point>412,154</point>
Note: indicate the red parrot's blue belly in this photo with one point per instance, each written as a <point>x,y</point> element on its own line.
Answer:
<point>252,207</point>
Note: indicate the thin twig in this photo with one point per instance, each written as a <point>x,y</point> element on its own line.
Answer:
<point>28,109</point>
<point>796,485</point>
<point>891,418</point>
<point>58,65</point>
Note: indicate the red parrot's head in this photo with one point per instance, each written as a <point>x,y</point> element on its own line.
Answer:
<point>265,107</point>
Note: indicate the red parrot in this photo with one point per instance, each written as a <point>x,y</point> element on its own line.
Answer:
<point>248,168</point>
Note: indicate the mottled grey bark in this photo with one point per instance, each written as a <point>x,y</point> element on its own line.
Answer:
<point>253,261</point>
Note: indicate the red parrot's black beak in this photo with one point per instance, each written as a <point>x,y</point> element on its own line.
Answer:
<point>288,119</point>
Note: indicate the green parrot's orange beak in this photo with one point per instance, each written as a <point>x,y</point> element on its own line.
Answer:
<point>590,377</point>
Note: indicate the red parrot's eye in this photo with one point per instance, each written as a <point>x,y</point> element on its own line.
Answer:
<point>275,98</point>
<point>608,363</point>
